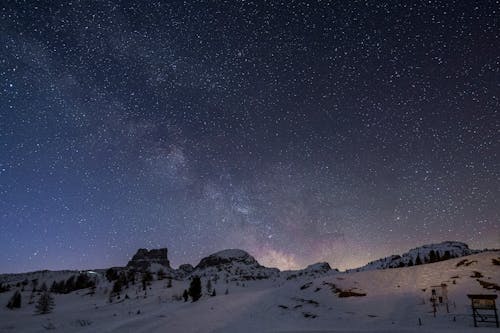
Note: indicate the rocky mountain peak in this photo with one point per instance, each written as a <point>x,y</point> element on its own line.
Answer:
<point>143,258</point>
<point>226,257</point>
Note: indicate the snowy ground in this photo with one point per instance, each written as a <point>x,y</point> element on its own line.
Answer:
<point>395,300</point>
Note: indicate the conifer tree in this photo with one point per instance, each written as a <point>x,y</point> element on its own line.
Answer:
<point>195,288</point>
<point>418,261</point>
<point>160,275</point>
<point>432,256</point>
<point>45,303</point>
<point>15,301</point>
<point>209,286</point>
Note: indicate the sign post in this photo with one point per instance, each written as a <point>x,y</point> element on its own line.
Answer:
<point>484,309</point>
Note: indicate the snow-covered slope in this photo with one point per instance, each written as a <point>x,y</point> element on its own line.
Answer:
<point>421,255</point>
<point>392,300</point>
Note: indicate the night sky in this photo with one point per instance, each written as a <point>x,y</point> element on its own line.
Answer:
<point>310,131</point>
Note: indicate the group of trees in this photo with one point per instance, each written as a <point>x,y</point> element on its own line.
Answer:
<point>15,301</point>
<point>195,289</point>
<point>4,288</point>
<point>45,302</point>
<point>434,256</point>
<point>44,305</point>
<point>123,279</point>
<point>82,281</point>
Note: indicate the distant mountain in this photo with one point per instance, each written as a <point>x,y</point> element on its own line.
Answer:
<point>420,255</point>
<point>239,265</point>
<point>314,270</point>
<point>236,296</point>
<point>233,264</point>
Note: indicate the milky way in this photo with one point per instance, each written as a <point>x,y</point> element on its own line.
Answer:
<point>298,131</point>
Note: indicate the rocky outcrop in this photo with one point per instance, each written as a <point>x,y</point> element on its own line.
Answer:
<point>184,270</point>
<point>234,265</point>
<point>225,257</point>
<point>144,258</point>
<point>314,270</point>
<point>320,267</point>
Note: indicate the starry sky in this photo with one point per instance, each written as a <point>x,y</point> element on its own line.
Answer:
<point>299,131</point>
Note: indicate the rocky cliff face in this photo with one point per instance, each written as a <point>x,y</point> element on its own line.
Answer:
<point>143,259</point>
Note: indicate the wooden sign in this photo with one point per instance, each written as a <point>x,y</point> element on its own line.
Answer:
<point>481,303</point>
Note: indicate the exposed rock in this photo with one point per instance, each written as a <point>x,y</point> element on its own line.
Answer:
<point>225,257</point>
<point>143,259</point>
<point>184,270</point>
<point>313,270</point>
<point>234,265</point>
<point>320,267</point>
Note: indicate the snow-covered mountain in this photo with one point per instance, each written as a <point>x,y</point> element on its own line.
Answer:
<point>245,296</point>
<point>233,264</point>
<point>314,270</point>
<point>394,300</point>
<point>421,255</point>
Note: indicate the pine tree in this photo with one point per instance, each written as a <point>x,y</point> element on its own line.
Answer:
<point>34,283</point>
<point>195,288</point>
<point>209,286</point>
<point>45,303</point>
<point>432,256</point>
<point>418,261</point>
<point>70,285</point>
<point>117,287</point>
<point>147,277</point>
<point>160,275</point>
<point>169,283</point>
<point>4,288</point>
<point>15,301</point>
<point>131,276</point>
<point>185,295</point>
<point>111,275</point>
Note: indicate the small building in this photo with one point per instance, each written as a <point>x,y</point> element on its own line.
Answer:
<point>484,309</point>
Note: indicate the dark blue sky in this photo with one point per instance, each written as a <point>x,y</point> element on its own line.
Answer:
<point>298,131</point>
